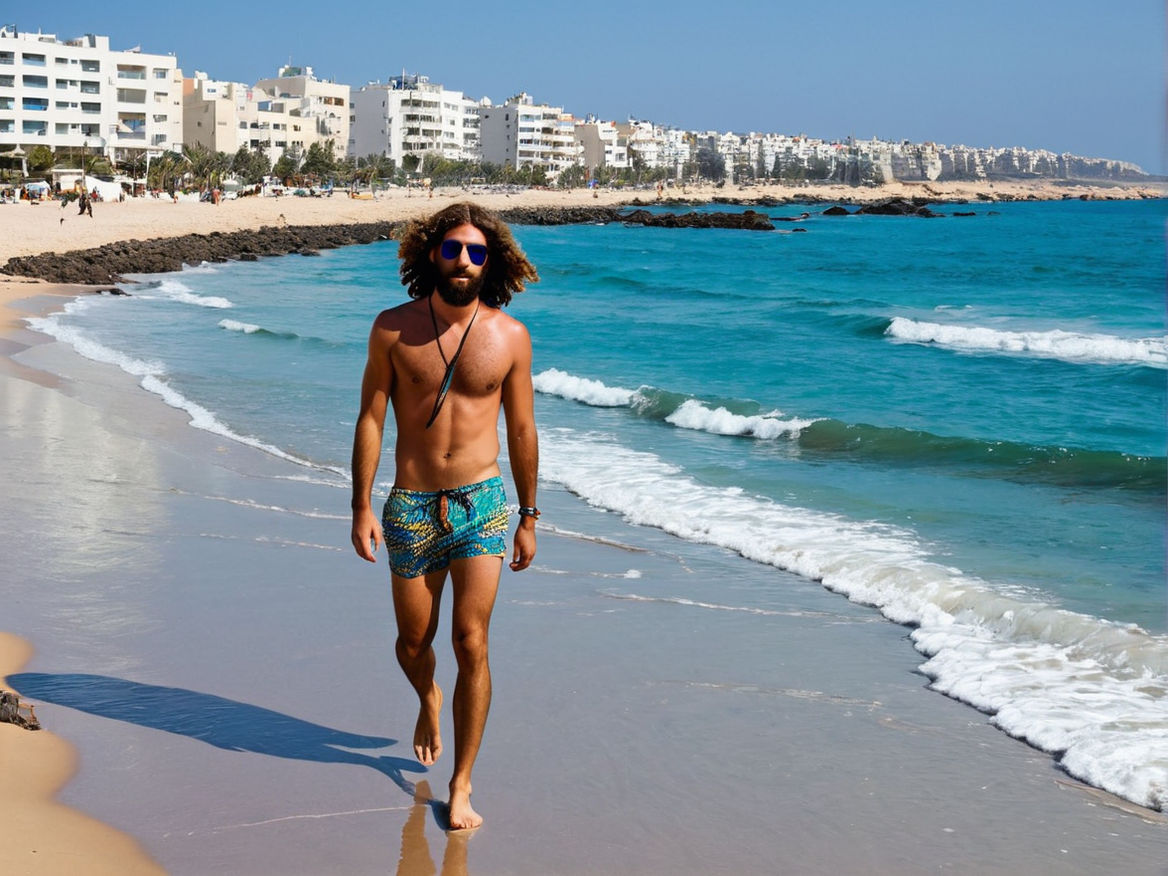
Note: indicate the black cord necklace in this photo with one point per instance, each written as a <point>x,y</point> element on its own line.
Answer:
<point>448,377</point>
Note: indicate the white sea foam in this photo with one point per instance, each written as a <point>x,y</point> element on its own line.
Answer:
<point>690,414</point>
<point>235,326</point>
<point>181,292</point>
<point>1091,692</point>
<point>151,374</point>
<point>1054,344</point>
<point>581,389</point>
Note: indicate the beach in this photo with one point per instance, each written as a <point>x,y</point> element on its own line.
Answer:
<point>237,707</point>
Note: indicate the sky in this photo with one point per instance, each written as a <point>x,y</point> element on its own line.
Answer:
<point>1080,76</point>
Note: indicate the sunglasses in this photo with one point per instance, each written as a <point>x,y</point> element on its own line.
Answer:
<point>452,249</point>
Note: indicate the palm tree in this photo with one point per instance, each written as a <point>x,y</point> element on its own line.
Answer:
<point>201,161</point>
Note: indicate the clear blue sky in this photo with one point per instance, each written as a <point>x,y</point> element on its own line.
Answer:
<point>1066,75</point>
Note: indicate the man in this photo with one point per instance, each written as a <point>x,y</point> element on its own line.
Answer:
<point>448,360</point>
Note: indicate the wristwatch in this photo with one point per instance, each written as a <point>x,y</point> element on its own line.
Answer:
<point>529,511</point>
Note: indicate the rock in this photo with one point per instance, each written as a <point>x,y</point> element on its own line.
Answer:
<point>837,211</point>
<point>899,207</point>
<point>961,213</point>
<point>748,220</point>
<point>13,711</point>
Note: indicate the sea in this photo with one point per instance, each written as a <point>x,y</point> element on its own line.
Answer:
<point>958,421</point>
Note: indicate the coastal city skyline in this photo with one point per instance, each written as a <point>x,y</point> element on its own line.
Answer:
<point>1046,76</point>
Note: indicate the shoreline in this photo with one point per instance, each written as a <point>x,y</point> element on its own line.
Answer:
<point>38,834</point>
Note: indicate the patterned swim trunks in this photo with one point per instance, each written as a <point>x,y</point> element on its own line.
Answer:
<point>425,530</point>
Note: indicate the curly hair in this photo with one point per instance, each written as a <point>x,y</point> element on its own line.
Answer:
<point>508,269</point>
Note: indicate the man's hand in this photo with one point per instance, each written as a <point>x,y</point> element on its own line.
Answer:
<point>524,545</point>
<point>367,534</point>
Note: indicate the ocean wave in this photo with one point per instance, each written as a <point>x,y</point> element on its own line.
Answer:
<point>1055,344</point>
<point>176,290</point>
<point>235,326</point>
<point>151,374</point>
<point>887,445</point>
<point>677,410</point>
<point>1061,466</point>
<point>1091,692</point>
<point>248,328</point>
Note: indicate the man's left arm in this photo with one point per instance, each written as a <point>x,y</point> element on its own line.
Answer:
<point>522,443</point>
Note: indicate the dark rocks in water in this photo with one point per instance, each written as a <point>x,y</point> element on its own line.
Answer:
<point>798,218</point>
<point>748,220</point>
<point>837,211</point>
<point>798,230</point>
<point>560,215</point>
<point>963,213</point>
<point>899,207</point>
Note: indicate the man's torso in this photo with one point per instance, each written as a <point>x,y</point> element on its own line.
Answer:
<point>462,445</point>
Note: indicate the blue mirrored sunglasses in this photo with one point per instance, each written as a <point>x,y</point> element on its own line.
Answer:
<point>452,249</point>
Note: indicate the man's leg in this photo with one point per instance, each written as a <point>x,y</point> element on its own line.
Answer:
<point>415,605</point>
<point>476,581</point>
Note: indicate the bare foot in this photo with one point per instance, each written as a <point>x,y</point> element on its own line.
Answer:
<point>427,742</point>
<point>462,816</point>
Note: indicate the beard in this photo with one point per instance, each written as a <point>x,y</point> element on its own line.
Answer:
<point>460,296</point>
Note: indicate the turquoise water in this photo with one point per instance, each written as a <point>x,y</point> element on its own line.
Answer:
<point>960,420</point>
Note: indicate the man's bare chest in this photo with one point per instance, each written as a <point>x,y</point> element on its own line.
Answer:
<point>481,367</point>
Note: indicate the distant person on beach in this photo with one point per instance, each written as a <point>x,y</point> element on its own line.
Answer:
<point>448,360</point>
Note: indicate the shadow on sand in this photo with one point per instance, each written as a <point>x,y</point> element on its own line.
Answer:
<point>221,722</point>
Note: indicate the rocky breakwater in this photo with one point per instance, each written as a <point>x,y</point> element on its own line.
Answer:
<point>890,207</point>
<point>110,263</point>
<point>560,215</point>
<point>748,220</point>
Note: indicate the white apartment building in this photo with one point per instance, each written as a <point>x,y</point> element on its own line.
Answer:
<point>321,105</point>
<point>521,133</point>
<point>603,144</point>
<point>411,116</point>
<point>81,94</point>
<point>224,116</point>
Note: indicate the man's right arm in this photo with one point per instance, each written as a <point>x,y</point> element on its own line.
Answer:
<point>375,389</point>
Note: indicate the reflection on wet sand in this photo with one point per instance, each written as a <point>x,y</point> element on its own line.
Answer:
<point>415,849</point>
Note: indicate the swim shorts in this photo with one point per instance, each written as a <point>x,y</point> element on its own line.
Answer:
<point>425,530</point>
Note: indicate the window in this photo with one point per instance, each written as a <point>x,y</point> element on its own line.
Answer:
<point>7,126</point>
<point>36,104</point>
<point>90,66</point>
<point>38,128</point>
<point>89,87</point>
<point>36,81</point>
<point>33,60</point>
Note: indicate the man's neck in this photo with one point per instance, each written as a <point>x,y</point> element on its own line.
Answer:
<point>452,314</point>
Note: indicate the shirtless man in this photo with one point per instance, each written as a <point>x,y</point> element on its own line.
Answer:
<point>448,360</point>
